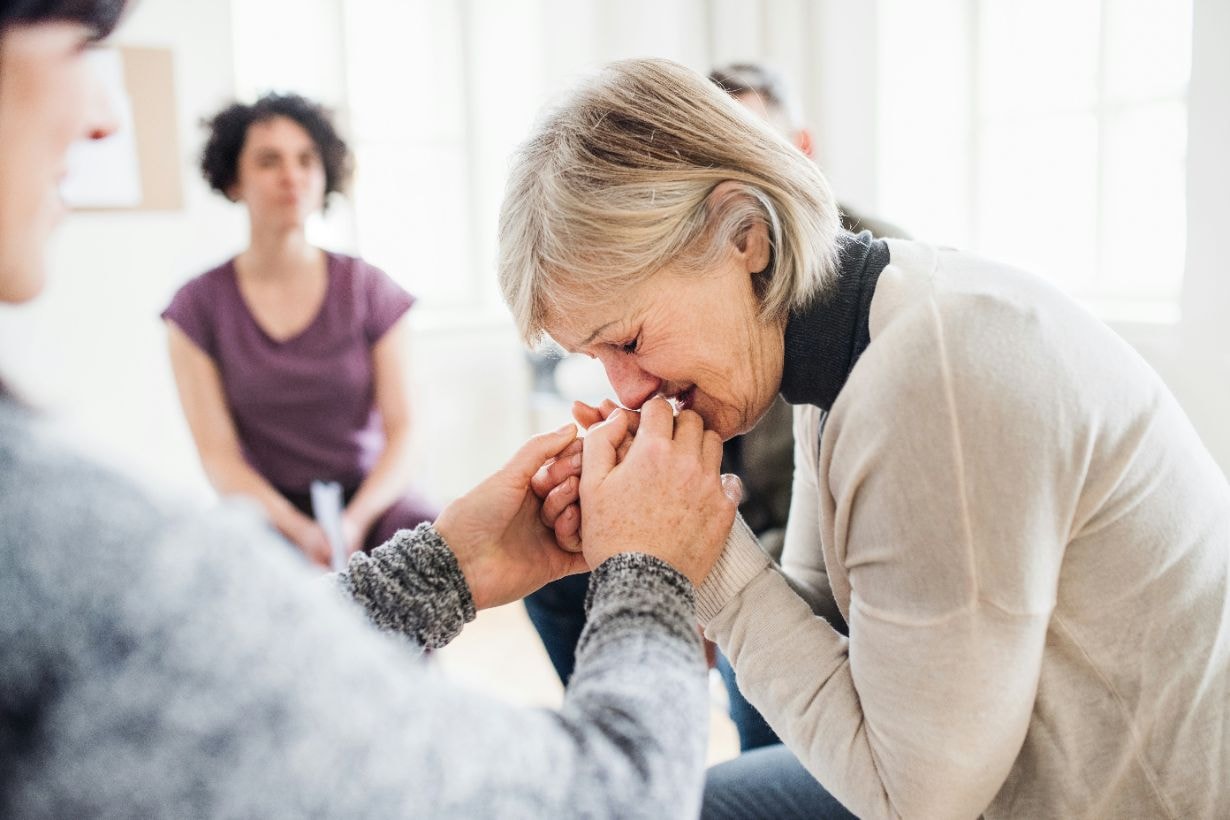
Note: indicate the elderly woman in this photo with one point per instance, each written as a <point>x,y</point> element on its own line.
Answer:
<point>1023,531</point>
<point>158,663</point>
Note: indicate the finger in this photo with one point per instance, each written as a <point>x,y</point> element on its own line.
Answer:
<point>568,529</point>
<point>526,461</point>
<point>555,473</point>
<point>558,499</point>
<point>657,418</point>
<point>732,486</point>
<point>711,451</point>
<point>599,453</point>
<point>622,450</point>
<point>634,417</point>
<point>586,415</point>
<point>575,564</point>
<point>689,430</point>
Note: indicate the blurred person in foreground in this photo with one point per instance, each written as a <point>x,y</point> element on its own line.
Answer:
<point>159,663</point>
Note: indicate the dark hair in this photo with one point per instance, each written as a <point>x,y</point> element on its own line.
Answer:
<point>100,16</point>
<point>228,129</point>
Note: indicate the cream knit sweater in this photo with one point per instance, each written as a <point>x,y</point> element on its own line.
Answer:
<point>1030,545</point>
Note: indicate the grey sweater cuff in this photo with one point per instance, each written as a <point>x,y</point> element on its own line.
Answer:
<point>639,588</point>
<point>412,585</point>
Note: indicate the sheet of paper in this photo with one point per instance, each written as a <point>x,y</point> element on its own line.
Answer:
<point>327,509</point>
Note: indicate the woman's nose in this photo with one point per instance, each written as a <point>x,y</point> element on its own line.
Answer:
<point>632,385</point>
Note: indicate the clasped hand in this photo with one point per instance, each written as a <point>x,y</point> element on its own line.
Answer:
<point>657,492</point>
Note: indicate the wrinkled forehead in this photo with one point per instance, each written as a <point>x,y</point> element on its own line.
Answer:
<point>577,317</point>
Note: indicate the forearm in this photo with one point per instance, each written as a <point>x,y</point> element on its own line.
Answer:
<point>869,724</point>
<point>639,692</point>
<point>413,586</point>
<point>629,740</point>
<point>230,475</point>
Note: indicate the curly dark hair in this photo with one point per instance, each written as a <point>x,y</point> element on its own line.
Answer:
<point>101,16</point>
<point>228,129</point>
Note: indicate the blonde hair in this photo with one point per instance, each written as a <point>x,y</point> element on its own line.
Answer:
<point>622,179</point>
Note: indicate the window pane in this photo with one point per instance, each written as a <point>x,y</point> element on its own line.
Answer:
<point>1038,195</point>
<point>405,69</point>
<point>1148,48</point>
<point>925,110</point>
<point>412,218</point>
<point>1143,208</point>
<point>1038,56</point>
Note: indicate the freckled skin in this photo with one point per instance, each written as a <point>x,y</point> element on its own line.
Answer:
<point>696,329</point>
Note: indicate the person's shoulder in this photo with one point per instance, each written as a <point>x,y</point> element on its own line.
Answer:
<point>207,284</point>
<point>351,266</point>
<point>856,221</point>
<point>68,520</point>
<point>367,280</point>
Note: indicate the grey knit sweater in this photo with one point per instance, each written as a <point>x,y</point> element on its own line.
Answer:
<point>155,664</point>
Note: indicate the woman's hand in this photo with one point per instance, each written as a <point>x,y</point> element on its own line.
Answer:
<point>665,498</point>
<point>311,540</point>
<point>557,483</point>
<point>496,531</point>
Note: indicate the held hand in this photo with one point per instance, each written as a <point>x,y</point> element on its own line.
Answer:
<point>353,534</point>
<point>311,540</point>
<point>495,530</point>
<point>665,498</point>
<point>557,485</point>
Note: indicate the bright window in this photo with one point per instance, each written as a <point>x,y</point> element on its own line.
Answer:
<point>1051,134</point>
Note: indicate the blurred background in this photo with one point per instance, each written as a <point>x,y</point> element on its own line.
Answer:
<point>1084,139</point>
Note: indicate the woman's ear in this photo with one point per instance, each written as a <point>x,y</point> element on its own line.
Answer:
<point>752,245</point>
<point>755,249</point>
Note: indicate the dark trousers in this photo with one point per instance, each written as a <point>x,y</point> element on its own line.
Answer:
<point>558,614</point>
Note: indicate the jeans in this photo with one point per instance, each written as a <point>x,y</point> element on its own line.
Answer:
<point>558,614</point>
<point>767,783</point>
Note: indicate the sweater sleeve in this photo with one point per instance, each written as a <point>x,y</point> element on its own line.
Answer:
<point>802,558</point>
<point>952,558</point>
<point>193,667</point>
<point>411,585</point>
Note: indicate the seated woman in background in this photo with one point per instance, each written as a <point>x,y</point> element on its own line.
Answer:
<point>1024,533</point>
<point>291,361</point>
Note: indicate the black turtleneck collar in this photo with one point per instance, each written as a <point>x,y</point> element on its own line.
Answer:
<point>825,338</point>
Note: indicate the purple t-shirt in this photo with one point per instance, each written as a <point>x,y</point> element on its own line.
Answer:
<point>304,408</point>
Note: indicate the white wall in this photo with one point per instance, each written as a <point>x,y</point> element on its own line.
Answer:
<point>92,350</point>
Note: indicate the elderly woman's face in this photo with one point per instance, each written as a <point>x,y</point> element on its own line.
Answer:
<point>49,97</point>
<point>694,337</point>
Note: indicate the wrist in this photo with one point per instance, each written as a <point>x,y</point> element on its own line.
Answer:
<point>466,559</point>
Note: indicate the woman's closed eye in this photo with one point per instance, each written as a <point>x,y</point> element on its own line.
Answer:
<point>630,347</point>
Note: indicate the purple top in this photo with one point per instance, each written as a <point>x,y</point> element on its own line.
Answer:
<point>304,408</point>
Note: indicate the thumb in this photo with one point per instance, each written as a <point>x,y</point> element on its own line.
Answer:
<point>599,457</point>
<point>586,415</point>
<point>732,486</point>
<point>526,461</point>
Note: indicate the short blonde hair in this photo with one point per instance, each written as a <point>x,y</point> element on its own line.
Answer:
<point>621,180</point>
